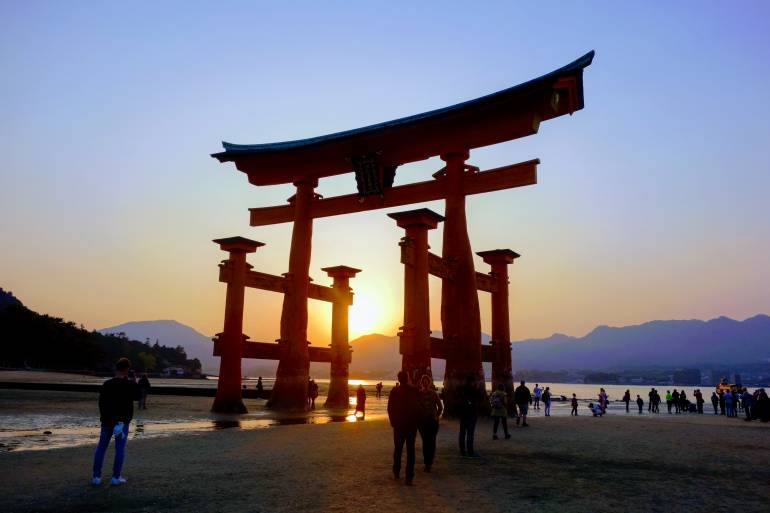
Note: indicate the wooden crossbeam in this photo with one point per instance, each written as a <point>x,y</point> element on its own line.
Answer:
<point>441,350</point>
<point>264,281</point>
<point>441,269</point>
<point>271,351</point>
<point>506,177</point>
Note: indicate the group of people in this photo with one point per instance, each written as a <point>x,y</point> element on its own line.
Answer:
<point>755,406</point>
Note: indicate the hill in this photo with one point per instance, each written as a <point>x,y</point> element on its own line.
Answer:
<point>30,339</point>
<point>173,333</point>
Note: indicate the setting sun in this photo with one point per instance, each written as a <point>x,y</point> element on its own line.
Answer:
<point>366,315</point>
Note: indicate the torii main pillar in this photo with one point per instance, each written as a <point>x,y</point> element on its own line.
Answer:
<point>229,396</point>
<point>290,389</point>
<point>339,395</point>
<point>502,372</point>
<point>460,318</point>
<point>414,337</point>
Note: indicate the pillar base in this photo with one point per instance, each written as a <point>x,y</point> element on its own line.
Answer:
<point>229,406</point>
<point>289,394</point>
<point>339,395</point>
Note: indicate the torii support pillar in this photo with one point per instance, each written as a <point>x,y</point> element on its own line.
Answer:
<point>414,337</point>
<point>339,395</point>
<point>228,398</point>
<point>502,372</point>
<point>290,389</point>
<point>460,318</point>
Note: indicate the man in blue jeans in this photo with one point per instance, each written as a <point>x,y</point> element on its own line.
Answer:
<point>116,409</point>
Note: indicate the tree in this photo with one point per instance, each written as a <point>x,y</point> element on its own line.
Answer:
<point>147,361</point>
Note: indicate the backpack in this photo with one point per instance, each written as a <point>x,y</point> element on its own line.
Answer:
<point>496,401</point>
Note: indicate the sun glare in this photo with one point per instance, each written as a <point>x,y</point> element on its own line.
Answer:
<point>365,315</point>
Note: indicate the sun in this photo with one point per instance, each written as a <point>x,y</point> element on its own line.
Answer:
<point>365,315</point>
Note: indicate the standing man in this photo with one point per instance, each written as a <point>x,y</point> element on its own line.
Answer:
<point>627,398</point>
<point>538,393</point>
<point>523,399</point>
<point>639,403</point>
<point>144,391</point>
<point>430,412</point>
<point>116,409</point>
<point>468,398</point>
<point>404,415</point>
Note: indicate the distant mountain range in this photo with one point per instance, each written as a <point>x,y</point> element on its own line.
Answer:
<point>688,343</point>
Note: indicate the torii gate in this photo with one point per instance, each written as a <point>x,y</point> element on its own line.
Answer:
<point>374,153</point>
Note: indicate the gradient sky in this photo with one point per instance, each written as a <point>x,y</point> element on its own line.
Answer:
<point>652,202</point>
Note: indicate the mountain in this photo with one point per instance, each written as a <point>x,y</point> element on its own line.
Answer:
<point>686,343</point>
<point>8,299</point>
<point>171,333</point>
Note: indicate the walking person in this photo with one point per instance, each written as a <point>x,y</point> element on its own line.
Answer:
<point>116,409</point>
<point>639,403</point>
<point>627,399</point>
<point>574,405</point>
<point>429,415</point>
<point>468,397</point>
<point>547,401</point>
<point>715,402</point>
<point>144,391</point>
<point>497,401</point>
<point>404,415</point>
<point>538,392</point>
<point>379,390</point>
<point>669,400</point>
<point>360,400</point>
<point>523,398</point>
<point>260,387</point>
<point>651,399</point>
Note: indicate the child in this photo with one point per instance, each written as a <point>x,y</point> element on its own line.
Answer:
<point>639,403</point>
<point>596,409</point>
<point>574,405</point>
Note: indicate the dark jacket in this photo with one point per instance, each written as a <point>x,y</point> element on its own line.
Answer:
<point>116,401</point>
<point>468,399</point>
<point>521,395</point>
<point>404,408</point>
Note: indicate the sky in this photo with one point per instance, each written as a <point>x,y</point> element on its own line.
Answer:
<point>651,203</point>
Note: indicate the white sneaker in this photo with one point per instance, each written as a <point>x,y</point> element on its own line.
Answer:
<point>116,481</point>
<point>96,481</point>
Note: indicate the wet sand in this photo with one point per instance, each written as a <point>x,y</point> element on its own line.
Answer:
<point>615,463</point>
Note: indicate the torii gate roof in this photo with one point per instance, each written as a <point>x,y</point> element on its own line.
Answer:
<point>498,117</point>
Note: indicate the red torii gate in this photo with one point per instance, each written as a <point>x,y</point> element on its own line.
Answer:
<point>374,153</point>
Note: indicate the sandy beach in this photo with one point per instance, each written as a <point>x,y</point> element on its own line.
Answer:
<point>615,463</point>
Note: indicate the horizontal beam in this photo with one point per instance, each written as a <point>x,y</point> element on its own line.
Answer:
<point>270,282</point>
<point>272,351</point>
<point>506,177</point>
<point>441,350</point>
<point>437,267</point>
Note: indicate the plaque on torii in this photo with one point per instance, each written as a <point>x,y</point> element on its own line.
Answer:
<point>374,153</point>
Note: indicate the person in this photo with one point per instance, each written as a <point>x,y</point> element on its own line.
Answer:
<point>468,400</point>
<point>538,394</point>
<point>683,402</point>
<point>260,387</point>
<point>497,401</point>
<point>728,404</point>
<point>655,401</point>
<point>379,390</point>
<point>574,405</point>
<point>699,401</point>
<point>404,415</point>
<point>596,409</point>
<point>715,402</point>
<point>746,399</point>
<point>736,402</point>
<point>650,399</point>
<point>721,402</point>
<point>144,391</point>
<point>762,406</point>
<point>603,400</point>
<point>639,403</point>
<point>523,398</point>
<point>360,400</point>
<point>116,409</point>
<point>429,414</point>
<point>675,399</point>
<point>627,399</point>
<point>547,401</point>
<point>314,393</point>
<point>669,400</point>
